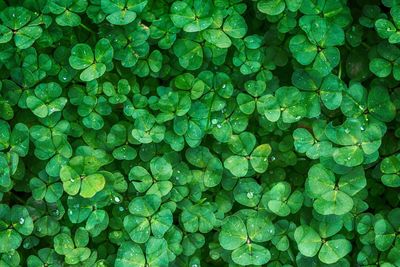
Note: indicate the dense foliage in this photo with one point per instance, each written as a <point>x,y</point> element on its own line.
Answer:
<point>194,133</point>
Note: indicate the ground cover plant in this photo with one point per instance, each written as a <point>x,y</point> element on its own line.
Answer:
<point>194,133</point>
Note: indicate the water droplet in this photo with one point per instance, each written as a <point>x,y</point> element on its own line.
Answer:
<point>223,86</point>
<point>348,158</point>
<point>21,220</point>
<point>72,180</point>
<point>195,265</point>
<point>362,128</point>
<point>178,171</point>
<point>121,208</point>
<point>298,118</point>
<point>361,107</point>
<point>214,121</point>
<point>177,178</point>
<point>250,195</point>
<point>117,199</point>
<point>219,126</point>
<point>265,159</point>
<point>56,212</point>
<point>273,158</point>
<point>347,130</point>
<point>64,78</point>
<point>70,212</point>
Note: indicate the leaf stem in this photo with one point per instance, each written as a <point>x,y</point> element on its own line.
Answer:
<point>87,28</point>
<point>365,45</point>
<point>20,200</point>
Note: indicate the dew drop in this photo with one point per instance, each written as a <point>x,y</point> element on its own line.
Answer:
<point>250,195</point>
<point>21,220</point>
<point>70,212</point>
<point>223,86</point>
<point>362,128</point>
<point>265,159</point>
<point>214,121</point>
<point>117,199</point>
<point>273,158</point>
<point>195,265</point>
<point>219,126</point>
<point>121,208</point>
<point>72,180</point>
<point>347,130</point>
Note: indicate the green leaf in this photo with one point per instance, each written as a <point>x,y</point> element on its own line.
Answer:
<point>303,50</point>
<point>237,165</point>
<point>380,67</point>
<point>25,37</point>
<point>189,53</point>
<point>320,181</point>
<point>92,184</point>
<point>217,38</point>
<point>138,228</point>
<point>308,240</point>
<point>121,17</point>
<point>259,158</point>
<point>251,254</point>
<point>93,72</point>
<point>235,26</point>
<point>130,253</point>
<point>81,57</point>
<point>271,7</point>
<point>181,14</point>
<point>233,233</point>
<point>334,250</point>
<point>333,202</point>
<point>145,206</point>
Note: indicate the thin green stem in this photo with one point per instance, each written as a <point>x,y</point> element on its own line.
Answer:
<point>365,45</point>
<point>87,28</point>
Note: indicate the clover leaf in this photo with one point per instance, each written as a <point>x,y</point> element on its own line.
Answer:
<point>94,65</point>
<point>235,236</point>
<point>19,24</point>
<point>46,100</point>
<point>122,12</point>
<point>199,133</point>
<point>331,196</point>
<point>16,221</point>
<point>390,167</point>
<point>81,176</point>
<point>319,46</point>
